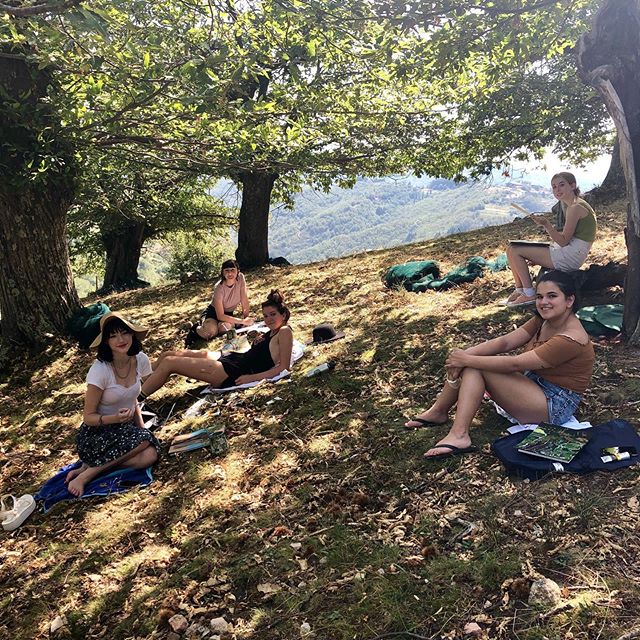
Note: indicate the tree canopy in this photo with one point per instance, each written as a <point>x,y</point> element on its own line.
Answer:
<point>301,90</point>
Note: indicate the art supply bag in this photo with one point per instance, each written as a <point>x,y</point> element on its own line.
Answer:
<point>615,433</point>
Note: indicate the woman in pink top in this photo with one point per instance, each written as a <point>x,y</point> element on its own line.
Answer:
<point>229,294</point>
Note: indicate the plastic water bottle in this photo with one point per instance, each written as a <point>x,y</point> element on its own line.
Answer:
<point>325,366</point>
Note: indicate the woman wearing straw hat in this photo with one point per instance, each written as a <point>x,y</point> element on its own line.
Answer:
<point>112,433</point>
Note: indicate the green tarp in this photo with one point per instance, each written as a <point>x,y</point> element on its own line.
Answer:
<point>420,276</point>
<point>410,272</point>
<point>602,319</point>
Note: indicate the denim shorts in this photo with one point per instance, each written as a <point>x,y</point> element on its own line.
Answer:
<point>561,402</point>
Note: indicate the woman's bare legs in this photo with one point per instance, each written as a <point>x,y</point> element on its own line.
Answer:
<point>518,255</point>
<point>208,329</point>
<point>439,410</point>
<point>143,456</point>
<point>514,392</point>
<point>186,353</point>
<point>200,368</point>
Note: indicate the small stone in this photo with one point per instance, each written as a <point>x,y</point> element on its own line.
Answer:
<point>219,625</point>
<point>305,630</point>
<point>178,623</point>
<point>472,629</point>
<point>57,623</point>
<point>544,593</point>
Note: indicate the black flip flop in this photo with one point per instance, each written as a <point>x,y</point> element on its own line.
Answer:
<point>424,423</point>
<point>453,451</point>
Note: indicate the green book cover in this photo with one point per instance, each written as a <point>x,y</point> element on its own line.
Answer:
<point>553,442</point>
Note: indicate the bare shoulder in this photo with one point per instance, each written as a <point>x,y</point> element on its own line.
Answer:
<point>575,331</point>
<point>578,209</point>
<point>285,333</point>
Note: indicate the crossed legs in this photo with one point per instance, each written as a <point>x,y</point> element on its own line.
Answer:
<point>143,456</point>
<point>514,392</point>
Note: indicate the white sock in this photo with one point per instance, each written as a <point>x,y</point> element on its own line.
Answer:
<point>528,291</point>
<point>519,290</point>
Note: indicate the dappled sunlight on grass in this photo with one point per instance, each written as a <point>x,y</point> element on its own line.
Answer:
<point>323,494</point>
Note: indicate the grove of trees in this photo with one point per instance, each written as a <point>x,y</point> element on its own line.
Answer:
<point>274,94</point>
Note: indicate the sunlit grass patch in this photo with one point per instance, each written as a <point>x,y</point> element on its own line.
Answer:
<point>323,493</point>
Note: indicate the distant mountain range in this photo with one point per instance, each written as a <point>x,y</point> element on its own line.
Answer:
<point>382,213</point>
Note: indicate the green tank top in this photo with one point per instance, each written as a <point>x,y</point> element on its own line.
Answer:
<point>587,226</point>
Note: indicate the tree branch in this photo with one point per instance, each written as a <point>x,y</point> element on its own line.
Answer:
<point>38,9</point>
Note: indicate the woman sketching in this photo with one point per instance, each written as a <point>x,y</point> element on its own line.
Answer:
<point>569,246</point>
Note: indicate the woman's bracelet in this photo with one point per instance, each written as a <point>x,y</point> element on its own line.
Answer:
<point>455,383</point>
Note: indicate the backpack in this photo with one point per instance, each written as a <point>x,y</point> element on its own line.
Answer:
<point>615,433</point>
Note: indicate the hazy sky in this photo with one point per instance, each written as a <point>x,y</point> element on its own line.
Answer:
<point>541,172</point>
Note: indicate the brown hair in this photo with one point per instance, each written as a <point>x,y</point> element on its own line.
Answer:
<point>570,178</point>
<point>228,264</point>
<point>276,300</point>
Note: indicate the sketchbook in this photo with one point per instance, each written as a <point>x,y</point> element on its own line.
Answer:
<point>553,442</point>
<point>213,440</point>
<point>529,243</point>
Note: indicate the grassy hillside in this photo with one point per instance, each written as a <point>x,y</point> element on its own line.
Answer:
<point>323,512</point>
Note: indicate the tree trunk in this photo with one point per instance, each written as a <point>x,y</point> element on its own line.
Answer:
<point>253,230</point>
<point>609,59</point>
<point>37,294</point>
<point>613,186</point>
<point>123,247</point>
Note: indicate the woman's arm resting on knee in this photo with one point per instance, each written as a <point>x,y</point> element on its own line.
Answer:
<point>497,364</point>
<point>502,344</point>
<point>563,238</point>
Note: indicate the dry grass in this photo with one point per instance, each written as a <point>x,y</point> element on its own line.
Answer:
<point>323,495</point>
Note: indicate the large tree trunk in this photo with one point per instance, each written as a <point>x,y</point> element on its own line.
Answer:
<point>609,59</point>
<point>123,247</point>
<point>613,186</point>
<point>253,230</point>
<point>37,295</point>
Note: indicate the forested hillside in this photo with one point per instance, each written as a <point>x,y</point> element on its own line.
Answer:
<point>382,213</point>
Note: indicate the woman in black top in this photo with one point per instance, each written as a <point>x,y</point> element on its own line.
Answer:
<point>269,355</point>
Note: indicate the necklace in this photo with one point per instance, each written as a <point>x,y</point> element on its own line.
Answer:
<point>126,375</point>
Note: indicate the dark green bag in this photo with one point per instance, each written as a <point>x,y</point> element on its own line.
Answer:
<point>85,324</point>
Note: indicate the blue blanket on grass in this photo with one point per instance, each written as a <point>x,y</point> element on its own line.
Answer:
<point>55,490</point>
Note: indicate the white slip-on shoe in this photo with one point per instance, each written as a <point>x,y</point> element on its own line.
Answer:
<point>22,508</point>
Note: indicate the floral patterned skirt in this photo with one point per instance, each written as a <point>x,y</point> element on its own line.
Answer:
<point>101,444</point>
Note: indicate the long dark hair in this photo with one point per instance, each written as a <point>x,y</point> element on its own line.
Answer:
<point>111,327</point>
<point>276,300</point>
<point>565,282</point>
<point>228,264</point>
